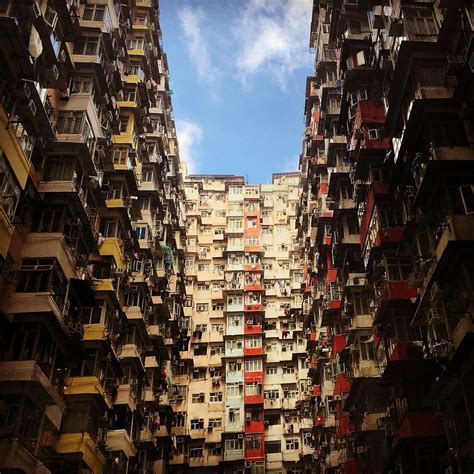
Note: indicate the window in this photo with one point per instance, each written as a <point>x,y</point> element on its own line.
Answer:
<point>9,191</point>
<point>361,304</point>
<point>200,350</point>
<point>217,327</point>
<point>203,287</point>
<point>234,390</point>
<point>199,374</point>
<point>399,268</point>
<point>136,43</point>
<point>271,347</point>
<point>235,224</point>
<point>271,370</point>
<point>93,13</point>
<point>253,441</point>
<point>218,307</point>
<point>215,397</point>
<point>253,365</point>
<point>251,222</point>
<point>180,418</point>
<point>234,444</point>
<point>88,45</point>
<point>292,444</point>
<point>467,197</point>
<point>273,447</point>
<point>253,388</point>
<point>198,398</point>
<point>287,347</point>
<point>232,344</point>
<point>420,21</point>
<point>81,85</point>
<point>196,452</point>
<point>366,348</point>
<point>234,415</point>
<point>202,307</point>
<point>253,342</point>
<point>235,300</point>
<point>214,449</point>
<point>215,350</point>
<point>197,424</point>
<point>272,394</point>
<point>215,423</point>
<point>288,369</point>
<point>234,366</point>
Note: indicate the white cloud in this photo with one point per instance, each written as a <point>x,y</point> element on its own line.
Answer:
<point>190,136</point>
<point>198,49</point>
<point>273,36</point>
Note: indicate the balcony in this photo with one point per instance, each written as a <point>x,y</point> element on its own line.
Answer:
<point>15,457</point>
<point>234,455</point>
<point>119,440</point>
<point>73,127</point>
<point>82,445</point>
<point>87,385</point>
<point>27,375</point>
<point>113,247</point>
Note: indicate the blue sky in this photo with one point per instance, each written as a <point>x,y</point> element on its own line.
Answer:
<point>238,70</point>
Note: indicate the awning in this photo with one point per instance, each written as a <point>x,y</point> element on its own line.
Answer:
<point>83,292</point>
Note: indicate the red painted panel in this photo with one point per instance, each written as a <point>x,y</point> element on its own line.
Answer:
<point>253,351</point>
<point>253,376</point>
<point>419,425</point>
<point>406,351</point>
<point>399,290</point>
<point>338,344</point>
<point>323,188</point>
<point>253,307</point>
<point>342,384</point>
<point>253,399</point>
<point>255,329</point>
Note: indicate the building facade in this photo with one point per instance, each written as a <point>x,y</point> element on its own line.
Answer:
<point>92,236</point>
<point>244,402</point>
<point>385,223</point>
<point>153,322</point>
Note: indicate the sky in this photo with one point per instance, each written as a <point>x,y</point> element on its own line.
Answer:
<point>238,72</point>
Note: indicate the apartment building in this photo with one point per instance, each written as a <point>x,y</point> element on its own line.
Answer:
<point>92,238</point>
<point>386,227</point>
<point>243,396</point>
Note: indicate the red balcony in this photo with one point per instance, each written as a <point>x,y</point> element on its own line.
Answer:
<point>253,267</point>
<point>342,385</point>
<point>255,328</point>
<point>323,188</point>
<point>253,307</point>
<point>344,426</point>
<point>398,290</point>
<point>253,426</point>
<point>420,424</point>
<point>253,399</point>
<point>351,467</point>
<point>253,351</point>
<point>406,351</point>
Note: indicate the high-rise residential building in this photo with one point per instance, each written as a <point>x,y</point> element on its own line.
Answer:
<point>154,322</point>
<point>92,235</point>
<point>243,399</point>
<point>386,226</point>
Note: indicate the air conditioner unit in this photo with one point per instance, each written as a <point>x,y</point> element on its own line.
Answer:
<point>436,292</point>
<point>248,463</point>
<point>240,436</point>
